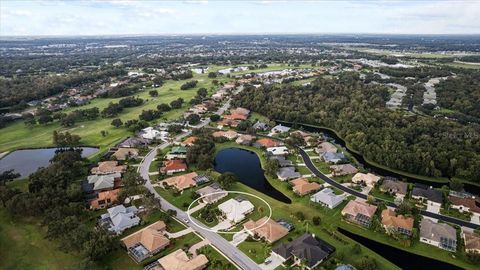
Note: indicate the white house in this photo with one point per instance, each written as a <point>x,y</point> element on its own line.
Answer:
<point>277,151</point>
<point>280,129</point>
<point>150,133</point>
<point>118,218</point>
<point>327,198</point>
<point>235,210</point>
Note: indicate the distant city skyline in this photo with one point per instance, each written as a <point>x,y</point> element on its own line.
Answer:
<point>117,17</point>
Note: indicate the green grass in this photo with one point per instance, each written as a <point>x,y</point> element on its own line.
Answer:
<point>303,170</point>
<point>24,246</point>
<point>181,201</point>
<point>384,196</point>
<point>258,251</point>
<point>456,214</point>
<point>20,184</point>
<point>215,260</point>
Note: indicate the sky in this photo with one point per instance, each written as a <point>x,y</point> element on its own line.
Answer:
<point>128,17</point>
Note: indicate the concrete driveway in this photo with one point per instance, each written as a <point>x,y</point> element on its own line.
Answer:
<point>239,237</point>
<point>274,262</point>
<point>223,225</point>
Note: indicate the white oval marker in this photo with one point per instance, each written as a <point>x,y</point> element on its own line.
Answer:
<point>222,192</point>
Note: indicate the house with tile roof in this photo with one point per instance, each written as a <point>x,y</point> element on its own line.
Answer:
<point>343,169</point>
<point>472,242</point>
<point>468,204</point>
<point>277,151</point>
<point>359,212</point>
<point>245,139</point>
<point>267,142</point>
<point>280,129</point>
<point>368,179</point>
<point>125,153</point>
<point>177,152</point>
<point>327,198</point>
<point>189,141</point>
<point>302,186</point>
<point>260,126</point>
<point>307,251</point>
<point>230,134</point>
<point>265,228</point>
<point>173,166</point>
<point>104,199</point>
<point>103,182</point>
<point>181,182</point>
<point>397,188</point>
<point>179,260</point>
<point>396,223</point>
<point>325,147</point>
<point>212,193</point>
<point>440,235</point>
<point>108,167</point>
<point>146,242</point>
<point>282,161</point>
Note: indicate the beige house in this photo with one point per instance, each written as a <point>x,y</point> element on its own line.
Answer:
<point>147,241</point>
<point>265,228</point>
<point>124,153</point>
<point>368,179</point>
<point>181,182</point>
<point>179,260</point>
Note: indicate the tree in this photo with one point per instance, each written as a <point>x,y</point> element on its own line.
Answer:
<point>117,122</point>
<point>193,119</point>
<point>456,184</point>
<point>7,176</point>
<point>272,167</point>
<point>176,104</point>
<point>202,92</point>
<point>153,93</point>
<point>356,249</point>
<point>316,220</point>
<point>43,119</point>
<point>367,263</point>
<point>163,107</point>
<point>227,179</point>
<point>214,117</point>
<point>212,75</point>
<point>300,216</point>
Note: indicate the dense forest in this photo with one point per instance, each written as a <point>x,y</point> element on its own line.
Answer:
<point>461,93</point>
<point>422,145</point>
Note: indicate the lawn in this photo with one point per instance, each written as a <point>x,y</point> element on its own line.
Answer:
<point>24,246</point>
<point>321,166</point>
<point>258,251</point>
<point>216,261</point>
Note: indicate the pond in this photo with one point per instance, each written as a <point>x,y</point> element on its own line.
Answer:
<point>28,161</point>
<point>474,189</point>
<point>400,258</point>
<point>247,167</point>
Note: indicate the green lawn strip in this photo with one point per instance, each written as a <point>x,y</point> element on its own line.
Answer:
<point>154,166</point>
<point>258,251</point>
<point>321,166</point>
<point>216,261</point>
<point>24,246</point>
<point>303,170</point>
<point>181,201</point>
<point>456,214</point>
<point>254,117</point>
<point>20,184</point>
<point>343,178</point>
<point>384,196</point>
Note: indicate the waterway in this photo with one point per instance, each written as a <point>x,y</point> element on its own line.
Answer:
<point>399,257</point>
<point>247,167</point>
<point>27,161</point>
<point>474,189</point>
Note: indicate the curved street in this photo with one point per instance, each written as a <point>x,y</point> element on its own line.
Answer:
<point>314,170</point>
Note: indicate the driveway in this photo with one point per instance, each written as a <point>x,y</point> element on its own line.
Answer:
<point>223,225</point>
<point>274,262</point>
<point>239,237</point>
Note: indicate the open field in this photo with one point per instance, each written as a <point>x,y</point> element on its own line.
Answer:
<point>24,246</point>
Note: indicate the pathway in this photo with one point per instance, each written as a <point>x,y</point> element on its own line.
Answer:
<point>193,249</point>
<point>179,234</point>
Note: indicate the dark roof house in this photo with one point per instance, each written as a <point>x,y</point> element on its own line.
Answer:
<point>307,249</point>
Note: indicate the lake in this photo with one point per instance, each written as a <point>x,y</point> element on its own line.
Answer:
<point>474,189</point>
<point>400,258</point>
<point>27,161</point>
<point>247,167</point>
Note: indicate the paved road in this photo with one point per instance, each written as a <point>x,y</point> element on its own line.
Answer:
<point>229,250</point>
<point>353,192</point>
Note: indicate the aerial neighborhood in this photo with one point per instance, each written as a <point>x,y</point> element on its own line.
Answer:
<point>237,163</point>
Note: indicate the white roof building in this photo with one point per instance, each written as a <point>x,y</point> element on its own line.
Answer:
<point>277,151</point>
<point>150,133</point>
<point>120,218</point>
<point>235,210</point>
<point>327,197</point>
<point>280,129</point>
